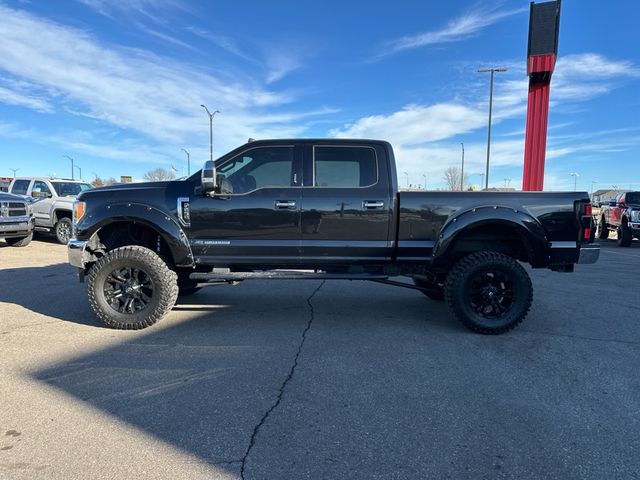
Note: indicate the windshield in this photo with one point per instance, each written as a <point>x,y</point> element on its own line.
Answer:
<point>633,197</point>
<point>67,189</point>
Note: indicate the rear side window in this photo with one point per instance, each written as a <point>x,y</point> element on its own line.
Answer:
<point>20,187</point>
<point>344,167</point>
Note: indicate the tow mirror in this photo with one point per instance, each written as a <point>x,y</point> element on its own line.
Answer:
<point>208,177</point>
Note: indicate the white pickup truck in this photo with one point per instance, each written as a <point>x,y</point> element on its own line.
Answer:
<point>53,202</point>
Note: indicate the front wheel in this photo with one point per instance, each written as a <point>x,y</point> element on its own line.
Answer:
<point>624,235</point>
<point>131,288</point>
<point>63,230</point>
<point>489,292</point>
<point>19,242</point>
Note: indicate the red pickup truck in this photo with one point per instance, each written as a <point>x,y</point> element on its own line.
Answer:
<point>622,214</point>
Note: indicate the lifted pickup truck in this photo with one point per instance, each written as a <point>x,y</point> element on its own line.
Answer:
<point>320,209</point>
<point>622,214</point>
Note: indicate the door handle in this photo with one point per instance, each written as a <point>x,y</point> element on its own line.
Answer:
<point>285,204</point>
<point>372,205</point>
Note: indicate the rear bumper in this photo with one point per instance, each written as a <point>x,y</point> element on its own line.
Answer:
<point>589,253</point>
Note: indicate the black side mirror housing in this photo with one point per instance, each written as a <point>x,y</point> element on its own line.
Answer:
<point>208,178</point>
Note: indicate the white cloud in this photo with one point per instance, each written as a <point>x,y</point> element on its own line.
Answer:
<point>466,25</point>
<point>12,97</point>
<point>279,65</point>
<point>133,89</point>
<point>416,124</point>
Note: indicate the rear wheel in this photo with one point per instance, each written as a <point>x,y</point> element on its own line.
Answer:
<point>63,230</point>
<point>603,229</point>
<point>131,288</point>
<point>624,235</point>
<point>489,292</point>
<point>19,242</point>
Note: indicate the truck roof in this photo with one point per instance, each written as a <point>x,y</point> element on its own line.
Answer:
<point>52,179</point>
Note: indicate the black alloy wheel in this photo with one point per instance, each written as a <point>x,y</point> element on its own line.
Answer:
<point>489,292</point>
<point>131,288</point>
<point>128,289</point>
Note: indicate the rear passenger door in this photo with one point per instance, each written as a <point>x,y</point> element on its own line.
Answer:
<point>346,205</point>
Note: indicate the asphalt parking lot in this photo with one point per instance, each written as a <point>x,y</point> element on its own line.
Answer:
<point>286,380</point>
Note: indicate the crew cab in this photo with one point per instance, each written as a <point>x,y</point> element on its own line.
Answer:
<point>321,209</point>
<point>53,201</point>
<point>621,214</point>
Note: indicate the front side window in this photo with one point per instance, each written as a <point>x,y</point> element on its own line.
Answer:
<point>39,186</point>
<point>69,189</point>
<point>261,167</point>
<point>344,167</point>
<point>20,187</point>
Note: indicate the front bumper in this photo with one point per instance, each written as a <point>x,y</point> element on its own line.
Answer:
<point>76,253</point>
<point>16,226</point>
<point>589,253</point>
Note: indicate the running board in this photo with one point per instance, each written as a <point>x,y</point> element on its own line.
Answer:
<point>282,275</point>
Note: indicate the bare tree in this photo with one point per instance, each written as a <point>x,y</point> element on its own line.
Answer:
<point>97,182</point>
<point>452,177</point>
<point>158,175</point>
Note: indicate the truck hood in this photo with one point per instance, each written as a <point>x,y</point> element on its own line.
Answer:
<point>10,197</point>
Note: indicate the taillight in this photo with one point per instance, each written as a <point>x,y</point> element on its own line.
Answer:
<point>587,210</point>
<point>587,234</point>
<point>586,221</point>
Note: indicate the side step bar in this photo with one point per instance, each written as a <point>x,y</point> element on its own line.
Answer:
<point>282,275</point>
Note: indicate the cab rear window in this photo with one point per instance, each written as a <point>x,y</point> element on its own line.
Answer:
<point>20,187</point>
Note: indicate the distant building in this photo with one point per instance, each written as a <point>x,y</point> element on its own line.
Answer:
<point>604,195</point>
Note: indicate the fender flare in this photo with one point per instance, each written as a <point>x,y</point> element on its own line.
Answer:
<point>529,229</point>
<point>152,217</point>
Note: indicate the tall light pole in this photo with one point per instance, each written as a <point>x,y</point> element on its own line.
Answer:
<point>79,170</point>
<point>592,182</point>
<point>462,172</point>
<point>575,176</point>
<point>14,170</point>
<point>73,170</point>
<point>211,115</point>
<point>482,179</point>
<point>407,175</point>
<point>492,71</point>
<point>188,162</point>
<point>425,181</point>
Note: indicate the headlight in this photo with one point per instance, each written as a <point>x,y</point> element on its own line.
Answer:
<point>78,211</point>
<point>635,216</point>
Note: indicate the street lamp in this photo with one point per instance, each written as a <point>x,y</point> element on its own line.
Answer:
<point>407,175</point>
<point>72,169</point>
<point>592,182</point>
<point>188,162</point>
<point>79,170</point>
<point>575,176</point>
<point>14,170</point>
<point>425,181</point>
<point>211,115</point>
<point>462,173</point>
<point>492,71</point>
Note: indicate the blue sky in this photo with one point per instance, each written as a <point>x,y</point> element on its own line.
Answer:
<point>118,85</point>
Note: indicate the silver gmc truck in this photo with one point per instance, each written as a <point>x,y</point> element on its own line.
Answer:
<point>52,202</point>
<point>16,220</point>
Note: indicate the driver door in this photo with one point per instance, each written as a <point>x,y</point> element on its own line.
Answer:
<point>257,218</point>
<point>41,205</point>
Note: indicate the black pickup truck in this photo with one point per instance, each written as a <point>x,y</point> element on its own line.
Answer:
<point>320,209</point>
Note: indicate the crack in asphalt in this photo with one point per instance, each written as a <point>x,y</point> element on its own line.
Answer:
<point>289,377</point>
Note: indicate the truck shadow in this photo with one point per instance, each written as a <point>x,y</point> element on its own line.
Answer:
<point>202,379</point>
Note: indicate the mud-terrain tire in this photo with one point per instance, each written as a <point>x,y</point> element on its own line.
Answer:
<point>435,292</point>
<point>624,235</point>
<point>19,242</point>
<point>62,230</point>
<point>602,230</point>
<point>131,288</point>
<point>488,292</point>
